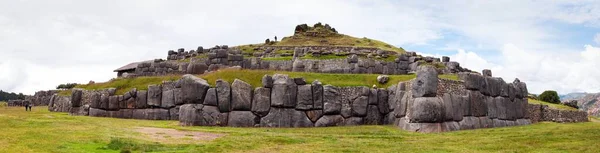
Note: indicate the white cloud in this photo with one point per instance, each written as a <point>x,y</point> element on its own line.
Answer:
<point>597,38</point>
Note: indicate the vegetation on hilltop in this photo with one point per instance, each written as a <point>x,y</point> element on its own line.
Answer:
<point>322,35</point>
<point>551,105</point>
<point>43,131</point>
<point>550,96</point>
<point>5,96</point>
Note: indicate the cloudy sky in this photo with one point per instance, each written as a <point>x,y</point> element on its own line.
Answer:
<point>548,44</point>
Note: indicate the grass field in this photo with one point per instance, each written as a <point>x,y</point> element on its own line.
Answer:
<point>43,131</point>
<point>252,77</point>
<point>551,105</point>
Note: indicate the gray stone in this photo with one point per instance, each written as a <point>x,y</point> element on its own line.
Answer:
<point>486,122</point>
<point>113,103</point>
<point>76,97</point>
<point>499,123</point>
<point>261,102</point>
<point>382,104</point>
<point>267,81</point>
<point>426,83</point>
<point>426,110</point>
<point>211,116</point>
<point>284,92</point>
<point>97,112</point>
<point>383,79</point>
<point>193,89</point>
<point>141,100</point>
<point>329,120</point>
<point>445,59</point>
<point>448,106</point>
<point>477,102</point>
<point>373,116</point>
<point>241,119</point>
<point>353,121</point>
<point>331,100</point>
<point>126,113</point>
<point>373,97</point>
<point>299,81</point>
<point>211,97</point>
<point>104,101</point>
<point>196,68</point>
<point>158,114</point>
<point>174,113</point>
<point>472,81</point>
<point>450,126</point>
<point>501,107</point>
<point>304,97</point>
<point>95,100</point>
<point>490,102</point>
<point>223,95</point>
<point>317,89</point>
<point>241,96</point>
<point>178,95</point>
<point>154,95</point>
<point>168,99</point>
<point>400,104</point>
<point>359,106</point>
<point>139,114</point>
<point>487,72</point>
<point>190,114</point>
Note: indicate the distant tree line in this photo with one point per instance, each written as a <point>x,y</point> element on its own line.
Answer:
<point>5,96</point>
<point>66,86</point>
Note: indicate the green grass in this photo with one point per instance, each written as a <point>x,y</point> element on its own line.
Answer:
<point>43,131</point>
<point>551,105</point>
<point>254,77</point>
<point>323,57</point>
<point>285,58</point>
<point>3,104</point>
<point>126,84</point>
<point>336,40</point>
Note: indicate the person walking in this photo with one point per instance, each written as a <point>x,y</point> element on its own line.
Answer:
<point>30,106</point>
<point>26,106</point>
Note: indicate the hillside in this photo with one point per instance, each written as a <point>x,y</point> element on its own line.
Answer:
<point>322,35</point>
<point>590,103</point>
<point>572,96</point>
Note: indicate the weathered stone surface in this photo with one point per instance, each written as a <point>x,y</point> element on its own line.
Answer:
<point>469,122</point>
<point>382,102</point>
<point>190,114</point>
<point>158,114</point>
<point>359,106</point>
<point>314,115</point>
<point>193,89</point>
<point>267,81</point>
<point>299,81</point>
<point>490,102</point>
<point>401,104</point>
<point>178,95</point>
<point>141,100</point>
<point>122,102</point>
<point>353,121</point>
<point>241,96</point>
<point>97,112</point>
<point>329,120</point>
<point>95,100</point>
<point>450,126</point>
<point>104,103</point>
<point>499,123</point>
<point>223,95</point>
<point>284,92</point>
<point>383,79</point>
<point>168,99</point>
<point>130,103</point>
<point>487,72</point>
<point>426,83</point>
<point>242,119</point>
<point>300,119</point>
<point>448,106</point>
<point>211,97</point>
<point>174,113</point>
<point>472,81</point>
<point>426,110</point>
<point>331,100</point>
<point>501,103</point>
<point>139,114</point>
<point>373,116</point>
<point>261,102</point>
<point>126,113</point>
<point>304,97</point>
<point>486,122</point>
<point>154,95</point>
<point>477,101</point>
<point>76,97</point>
<point>113,103</point>
<point>317,89</point>
<point>211,116</point>
<point>196,68</point>
<point>373,97</point>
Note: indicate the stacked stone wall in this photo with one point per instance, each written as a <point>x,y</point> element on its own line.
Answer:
<point>17,103</point>
<point>541,113</point>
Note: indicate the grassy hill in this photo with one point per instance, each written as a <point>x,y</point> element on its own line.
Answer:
<point>253,77</point>
<point>551,105</point>
<point>43,131</point>
<point>323,35</point>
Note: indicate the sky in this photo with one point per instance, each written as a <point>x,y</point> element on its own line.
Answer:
<point>550,45</point>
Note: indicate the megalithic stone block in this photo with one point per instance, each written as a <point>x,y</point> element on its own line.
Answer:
<point>426,83</point>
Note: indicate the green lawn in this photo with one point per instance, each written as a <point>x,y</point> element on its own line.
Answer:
<point>43,131</point>
<point>551,105</point>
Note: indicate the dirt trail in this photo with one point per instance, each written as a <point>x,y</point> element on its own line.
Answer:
<point>172,136</point>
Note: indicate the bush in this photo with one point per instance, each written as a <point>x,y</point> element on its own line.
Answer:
<point>549,96</point>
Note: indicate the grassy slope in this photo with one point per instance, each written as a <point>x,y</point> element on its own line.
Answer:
<point>42,131</point>
<point>552,105</point>
<point>252,77</point>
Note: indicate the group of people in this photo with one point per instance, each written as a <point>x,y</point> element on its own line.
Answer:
<point>28,106</point>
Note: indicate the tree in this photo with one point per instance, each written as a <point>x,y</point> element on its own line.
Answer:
<point>549,96</point>
<point>66,86</point>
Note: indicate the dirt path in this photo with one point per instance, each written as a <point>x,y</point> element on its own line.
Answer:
<point>172,136</point>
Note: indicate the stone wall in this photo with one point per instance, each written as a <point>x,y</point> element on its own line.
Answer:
<point>41,98</point>
<point>17,103</point>
<point>58,103</point>
<point>540,113</point>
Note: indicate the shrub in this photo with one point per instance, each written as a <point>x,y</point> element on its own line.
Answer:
<point>549,96</point>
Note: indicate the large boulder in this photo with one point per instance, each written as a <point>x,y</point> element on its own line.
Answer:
<point>158,114</point>
<point>382,79</point>
<point>168,99</point>
<point>359,106</point>
<point>223,95</point>
<point>314,115</point>
<point>196,68</point>
<point>331,100</point>
<point>104,101</point>
<point>141,100</point>
<point>448,107</point>
<point>426,110</point>
<point>190,114</point>
<point>242,119</point>
<point>477,102</point>
<point>373,116</point>
<point>174,113</point>
<point>97,112</point>
<point>95,100</point>
<point>472,81</point>
<point>490,102</point>
<point>154,95</point>
<point>76,97</point>
<point>426,83</point>
<point>261,102</point>
<point>284,92</point>
<point>382,102</point>
<point>267,81</point>
<point>317,93</point>
<point>329,120</point>
<point>211,97</point>
<point>353,121</point>
<point>193,89</point>
<point>241,96</point>
<point>285,117</point>
<point>304,97</point>
<point>373,98</point>
<point>211,116</point>
<point>113,103</point>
